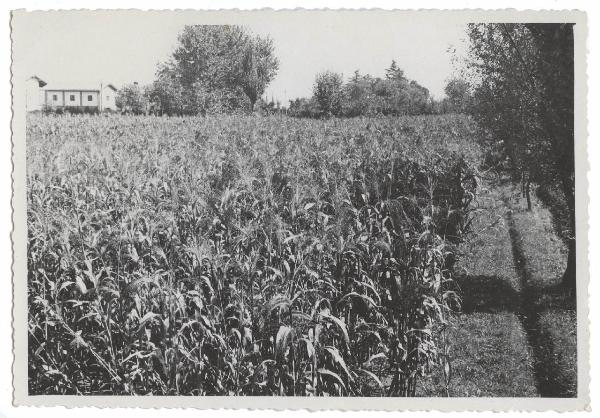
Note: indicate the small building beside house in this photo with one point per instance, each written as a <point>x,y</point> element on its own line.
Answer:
<point>52,97</point>
<point>34,95</point>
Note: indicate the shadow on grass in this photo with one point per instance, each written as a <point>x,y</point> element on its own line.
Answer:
<point>487,294</point>
<point>555,203</point>
<point>550,379</point>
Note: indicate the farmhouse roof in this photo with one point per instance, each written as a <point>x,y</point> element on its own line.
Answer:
<point>41,83</point>
<point>78,87</point>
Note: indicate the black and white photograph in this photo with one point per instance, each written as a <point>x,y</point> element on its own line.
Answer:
<point>337,206</point>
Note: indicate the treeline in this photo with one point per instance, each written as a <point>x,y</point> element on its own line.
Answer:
<point>365,95</point>
<point>226,69</point>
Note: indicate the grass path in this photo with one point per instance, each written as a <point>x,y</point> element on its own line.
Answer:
<point>490,354</point>
<point>548,313</point>
<point>516,334</point>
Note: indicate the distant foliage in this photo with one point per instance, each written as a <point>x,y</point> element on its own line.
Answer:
<point>304,108</point>
<point>243,256</point>
<point>458,96</point>
<point>132,99</point>
<point>215,69</point>
<point>272,107</point>
<point>364,95</point>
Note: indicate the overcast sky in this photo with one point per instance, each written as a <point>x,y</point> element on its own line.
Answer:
<point>122,47</point>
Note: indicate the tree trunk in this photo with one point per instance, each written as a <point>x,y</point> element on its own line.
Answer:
<point>528,194</point>
<point>569,278</point>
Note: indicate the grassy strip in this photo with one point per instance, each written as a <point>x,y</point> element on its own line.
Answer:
<point>545,252</point>
<point>558,331</point>
<point>550,315</point>
<point>490,355</point>
<point>490,358</point>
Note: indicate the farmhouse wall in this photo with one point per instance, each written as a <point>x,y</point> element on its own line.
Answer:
<point>34,95</point>
<point>72,98</point>
<point>90,98</point>
<point>54,98</point>
<point>109,98</point>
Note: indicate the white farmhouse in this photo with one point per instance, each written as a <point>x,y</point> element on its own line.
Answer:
<point>93,98</point>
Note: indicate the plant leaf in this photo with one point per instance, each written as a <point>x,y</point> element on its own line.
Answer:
<point>284,338</point>
<point>332,374</point>
<point>372,376</point>
<point>339,324</point>
<point>374,357</point>
<point>337,359</point>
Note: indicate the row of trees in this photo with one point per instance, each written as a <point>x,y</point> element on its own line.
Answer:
<point>365,95</point>
<point>523,78</point>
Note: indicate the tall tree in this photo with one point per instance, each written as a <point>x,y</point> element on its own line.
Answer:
<point>394,72</point>
<point>259,67</point>
<point>358,95</point>
<point>169,92</point>
<point>328,94</point>
<point>217,68</point>
<point>524,94</point>
<point>209,54</point>
<point>418,98</point>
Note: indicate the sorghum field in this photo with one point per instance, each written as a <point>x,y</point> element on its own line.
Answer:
<point>244,255</point>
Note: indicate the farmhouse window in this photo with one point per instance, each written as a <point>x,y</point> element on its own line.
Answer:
<point>72,97</point>
<point>89,97</point>
<point>108,98</point>
<point>55,97</point>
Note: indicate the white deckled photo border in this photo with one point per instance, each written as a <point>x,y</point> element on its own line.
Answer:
<point>19,202</point>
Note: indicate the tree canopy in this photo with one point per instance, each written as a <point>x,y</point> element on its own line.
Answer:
<point>327,93</point>
<point>524,96</point>
<point>458,94</point>
<point>215,69</point>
